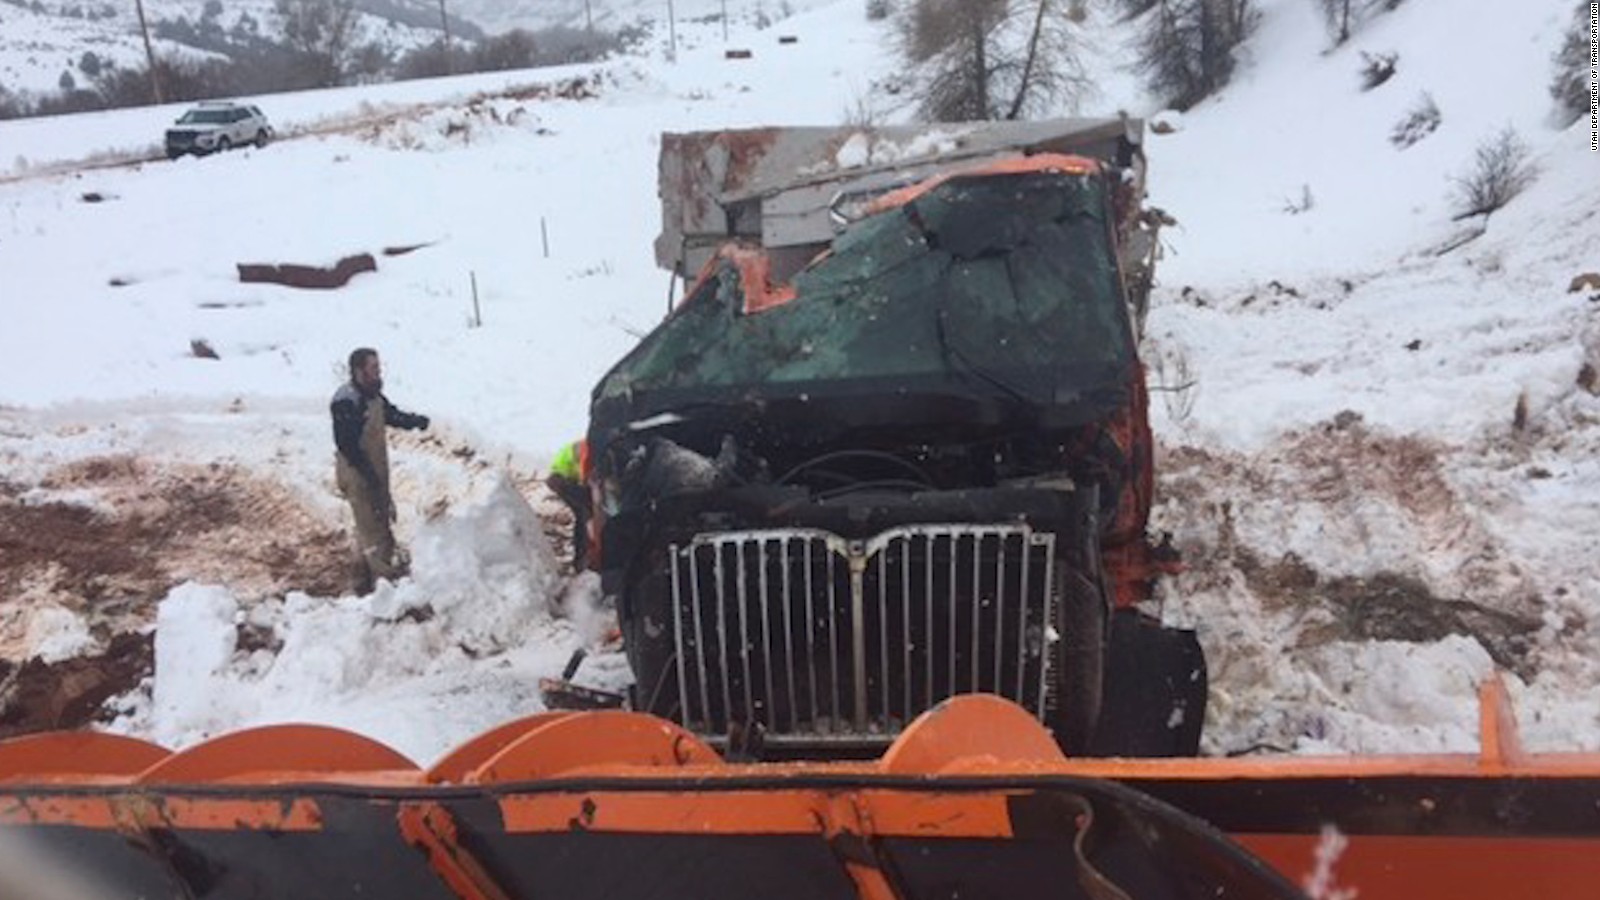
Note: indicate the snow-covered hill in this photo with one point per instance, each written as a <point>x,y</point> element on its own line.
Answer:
<point>39,45</point>
<point>1370,524</point>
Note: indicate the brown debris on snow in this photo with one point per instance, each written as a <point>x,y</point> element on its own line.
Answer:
<point>309,277</point>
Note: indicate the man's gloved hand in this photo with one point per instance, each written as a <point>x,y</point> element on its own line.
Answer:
<point>423,422</point>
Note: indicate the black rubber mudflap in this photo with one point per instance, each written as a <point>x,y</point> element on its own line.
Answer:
<point>1089,841</point>
<point>1155,690</point>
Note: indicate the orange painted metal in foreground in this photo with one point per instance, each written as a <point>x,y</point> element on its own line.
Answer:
<point>1012,165</point>
<point>147,810</point>
<point>253,754</point>
<point>956,774</point>
<point>1392,867</point>
<point>77,756</point>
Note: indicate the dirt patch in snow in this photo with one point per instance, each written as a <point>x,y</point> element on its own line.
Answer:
<point>115,527</point>
<point>1352,534</point>
<point>39,696</point>
<point>1387,606</point>
<point>100,541</point>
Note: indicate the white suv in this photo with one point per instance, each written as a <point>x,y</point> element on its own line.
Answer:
<point>217,125</point>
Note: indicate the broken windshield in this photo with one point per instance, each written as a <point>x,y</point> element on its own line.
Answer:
<point>999,283</point>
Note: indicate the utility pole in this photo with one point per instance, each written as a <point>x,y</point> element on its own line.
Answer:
<point>444,22</point>
<point>149,54</point>
<point>672,34</point>
<point>588,15</point>
<point>724,21</point>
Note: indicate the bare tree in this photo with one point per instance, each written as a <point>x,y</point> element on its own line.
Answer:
<point>1133,9</point>
<point>1344,17</point>
<point>991,59</point>
<point>1337,13</point>
<point>1186,48</point>
<point>321,31</point>
<point>516,49</point>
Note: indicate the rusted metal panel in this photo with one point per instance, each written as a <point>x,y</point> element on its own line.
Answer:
<point>783,187</point>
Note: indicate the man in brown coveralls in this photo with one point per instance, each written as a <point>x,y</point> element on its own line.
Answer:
<point>360,416</point>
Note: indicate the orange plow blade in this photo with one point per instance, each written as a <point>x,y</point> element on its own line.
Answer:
<point>973,800</point>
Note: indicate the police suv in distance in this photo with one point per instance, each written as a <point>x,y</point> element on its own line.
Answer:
<point>217,125</point>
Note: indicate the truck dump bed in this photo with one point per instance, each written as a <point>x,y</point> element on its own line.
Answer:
<point>790,190</point>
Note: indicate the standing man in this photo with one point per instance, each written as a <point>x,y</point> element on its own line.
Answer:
<point>360,416</point>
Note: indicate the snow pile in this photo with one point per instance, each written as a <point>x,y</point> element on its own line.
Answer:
<point>55,633</point>
<point>397,665</point>
<point>862,150</point>
<point>444,129</point>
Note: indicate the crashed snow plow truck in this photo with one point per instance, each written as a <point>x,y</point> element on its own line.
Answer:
<point>871,502</point>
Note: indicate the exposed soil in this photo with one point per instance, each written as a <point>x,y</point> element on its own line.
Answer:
<point>106,538</point>
<point>1336,467</point>
<point>1391,607</point>
<point>40,696</point>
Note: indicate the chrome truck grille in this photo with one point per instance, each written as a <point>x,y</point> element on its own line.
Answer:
<point>821,639</point>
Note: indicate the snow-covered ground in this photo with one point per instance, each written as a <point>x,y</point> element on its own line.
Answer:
<point>1368,533</point>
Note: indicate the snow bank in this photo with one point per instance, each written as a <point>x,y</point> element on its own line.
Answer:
<point>422,664</point>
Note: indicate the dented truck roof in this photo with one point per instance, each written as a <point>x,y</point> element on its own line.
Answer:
<point>994,285</point>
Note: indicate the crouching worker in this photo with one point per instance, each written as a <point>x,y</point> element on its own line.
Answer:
<point>361,415</point>
<point>568,474</point>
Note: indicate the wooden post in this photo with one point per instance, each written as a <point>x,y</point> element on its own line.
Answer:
<point>149,54</point>
<point>588,16</point>
<point>477,313</point>
<point>724,21</point>
<point>544,237</point>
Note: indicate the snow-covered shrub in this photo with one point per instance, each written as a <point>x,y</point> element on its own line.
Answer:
<point>1501,170</point>
<point>878,10</point>
<point>1296,206</point>
<point>11,106</point>
<point>860,113</point>
<point>1376,68</point>
<point>1420,121</point>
